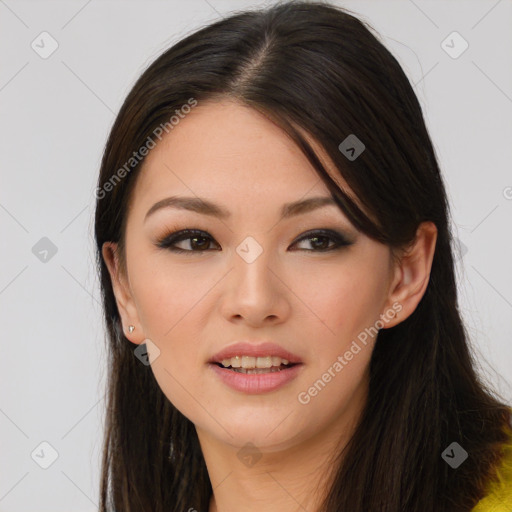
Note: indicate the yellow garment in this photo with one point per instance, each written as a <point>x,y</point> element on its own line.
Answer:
<point>499,493</point>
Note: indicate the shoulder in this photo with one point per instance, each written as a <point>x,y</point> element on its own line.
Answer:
<point>499,494</point>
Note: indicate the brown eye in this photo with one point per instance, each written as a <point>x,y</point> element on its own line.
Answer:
<point>320,240</point>
<point>196,240</point>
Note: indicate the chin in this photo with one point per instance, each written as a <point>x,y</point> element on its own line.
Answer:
<point>267,432</point>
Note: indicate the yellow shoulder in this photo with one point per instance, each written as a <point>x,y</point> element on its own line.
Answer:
<point>499,494</point>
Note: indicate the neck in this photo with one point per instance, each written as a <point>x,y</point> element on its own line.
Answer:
<point>284,481</point>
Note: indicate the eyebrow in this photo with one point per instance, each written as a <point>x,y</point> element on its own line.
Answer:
<point>206,207</point>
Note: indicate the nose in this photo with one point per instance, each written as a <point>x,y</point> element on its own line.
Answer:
<point>255,293</point>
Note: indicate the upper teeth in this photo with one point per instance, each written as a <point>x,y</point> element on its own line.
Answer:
<point>254,362</point>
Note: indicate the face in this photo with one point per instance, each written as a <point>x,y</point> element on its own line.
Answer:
<point>308,282</point>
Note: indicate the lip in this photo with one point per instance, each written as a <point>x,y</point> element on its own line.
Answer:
<point>262,349</point>
<point>255,383</point>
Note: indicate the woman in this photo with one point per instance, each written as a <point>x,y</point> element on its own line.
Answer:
<point>276,265</point>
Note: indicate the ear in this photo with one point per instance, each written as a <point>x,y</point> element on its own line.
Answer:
<point>122,292</point>
<point>412,274</point>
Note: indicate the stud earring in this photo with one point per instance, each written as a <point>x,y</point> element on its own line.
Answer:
<point>131,328</point>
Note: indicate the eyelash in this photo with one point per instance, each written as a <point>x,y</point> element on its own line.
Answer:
<point>167,241</point>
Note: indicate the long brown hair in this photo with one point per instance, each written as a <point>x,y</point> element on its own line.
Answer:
<point>316,67</point>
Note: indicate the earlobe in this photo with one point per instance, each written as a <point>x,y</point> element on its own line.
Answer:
<point>413,270</point>
<point>124,300</point>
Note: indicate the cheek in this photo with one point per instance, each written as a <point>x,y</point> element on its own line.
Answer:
<point>170,305</point>
<point>344,300</point>
<point>166,298</point>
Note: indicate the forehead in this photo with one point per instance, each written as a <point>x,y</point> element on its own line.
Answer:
<point>227,150</point>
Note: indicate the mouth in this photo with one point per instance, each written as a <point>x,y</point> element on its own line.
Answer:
<point>247,377</point>
<point>253,368</point>
<point>255,365</point>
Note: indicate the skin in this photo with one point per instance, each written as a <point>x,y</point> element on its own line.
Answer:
<point>314,304</point>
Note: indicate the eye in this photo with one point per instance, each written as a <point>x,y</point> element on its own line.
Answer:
<point>198,241</point>
<point>320,238</point>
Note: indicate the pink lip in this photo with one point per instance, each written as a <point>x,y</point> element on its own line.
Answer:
<point>254,350</point>
<point>256,383</point>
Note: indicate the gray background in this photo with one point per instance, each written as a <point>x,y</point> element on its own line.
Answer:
<point>55,116</point>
